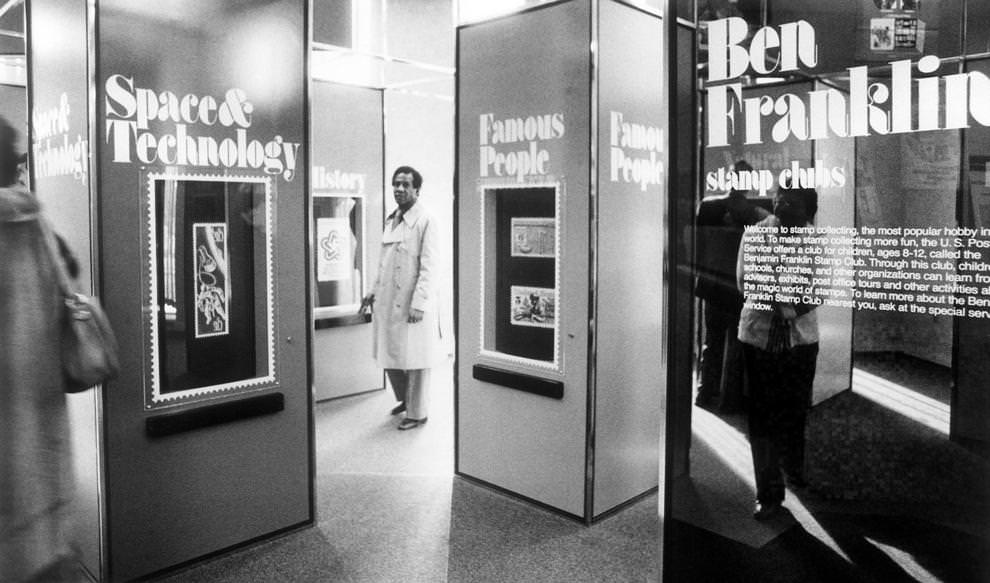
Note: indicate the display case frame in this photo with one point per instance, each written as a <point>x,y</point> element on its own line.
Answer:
<point>260,220</point>
<point>358,263</point>
<point>487,351</point>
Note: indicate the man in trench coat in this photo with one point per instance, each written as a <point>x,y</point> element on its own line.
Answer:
<point>406,327</point>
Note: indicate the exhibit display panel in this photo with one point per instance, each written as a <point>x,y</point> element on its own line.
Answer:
<point>519,247</point>
<point>204,224</point>
<point>347,129</point>
<point>523,143</point>
<point>560,170</point>
<point>629,375</point>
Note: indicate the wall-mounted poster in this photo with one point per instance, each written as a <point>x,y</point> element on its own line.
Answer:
<point>212,279</point>
<point>882,34</point>
<point>533,306</point>
<point>334,253</point>
<point>931,160</point>
<point>339,251</point>
<point>534,237</point>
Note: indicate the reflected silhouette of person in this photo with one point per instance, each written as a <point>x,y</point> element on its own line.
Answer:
<point>719,230</point>
<point>780,348</point>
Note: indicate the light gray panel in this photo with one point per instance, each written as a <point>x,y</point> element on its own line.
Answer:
<point>348,136</point>
<point>525,65</point>
<point>836,208</point>
<point>630,373</point>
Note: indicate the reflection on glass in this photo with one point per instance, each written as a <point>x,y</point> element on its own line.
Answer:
<point>211,285</point>
<point>339,262</point>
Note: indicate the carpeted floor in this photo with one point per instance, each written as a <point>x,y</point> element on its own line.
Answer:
<point>390,509</point>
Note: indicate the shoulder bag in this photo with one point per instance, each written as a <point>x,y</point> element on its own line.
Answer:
<point>89,348</point>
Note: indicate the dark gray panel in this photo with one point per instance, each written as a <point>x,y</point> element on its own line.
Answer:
<point>174,499</point>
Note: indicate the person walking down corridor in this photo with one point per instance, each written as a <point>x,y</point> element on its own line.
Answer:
<point>406,325</point>
<point>36,481</point>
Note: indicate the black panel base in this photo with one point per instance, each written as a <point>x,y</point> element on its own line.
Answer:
<point>339,321</point>
<point>172,423</point>
<point>522,382</point>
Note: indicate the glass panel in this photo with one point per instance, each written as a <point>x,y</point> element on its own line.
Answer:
<point>210,285</point>
<point>842,295</point>
<point>521,247</point>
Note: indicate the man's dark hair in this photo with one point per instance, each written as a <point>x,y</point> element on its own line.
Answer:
<point>417,177</point>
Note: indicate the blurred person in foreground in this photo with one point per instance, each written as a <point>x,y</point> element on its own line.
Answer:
<point>780,348</point>
<point>36,478</point>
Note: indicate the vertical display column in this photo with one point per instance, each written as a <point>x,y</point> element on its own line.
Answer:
<point>523,128</point>
<point>560,252</point>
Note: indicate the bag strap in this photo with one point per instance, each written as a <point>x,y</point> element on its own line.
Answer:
<point>64,282</point>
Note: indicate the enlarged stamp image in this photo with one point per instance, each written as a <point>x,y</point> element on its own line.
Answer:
<point>533,306</point>
<point>534,237</point>
<point>212,280</point>
<point>334,257</point>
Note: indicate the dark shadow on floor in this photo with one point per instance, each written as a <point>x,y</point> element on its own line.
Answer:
<point>698,556</point>
<point>924,550</point>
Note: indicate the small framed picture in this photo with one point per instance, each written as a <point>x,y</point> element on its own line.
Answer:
<point>534,237</point>
<point>533,306</point>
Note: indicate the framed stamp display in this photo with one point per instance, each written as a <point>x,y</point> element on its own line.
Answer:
<point>520,273</point>
<point>339,225</point>
<point>211,289</point>
<point>208,284</point>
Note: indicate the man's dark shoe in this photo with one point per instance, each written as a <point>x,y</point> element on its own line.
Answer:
<point>400,408</point>
<point>411,423</point>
